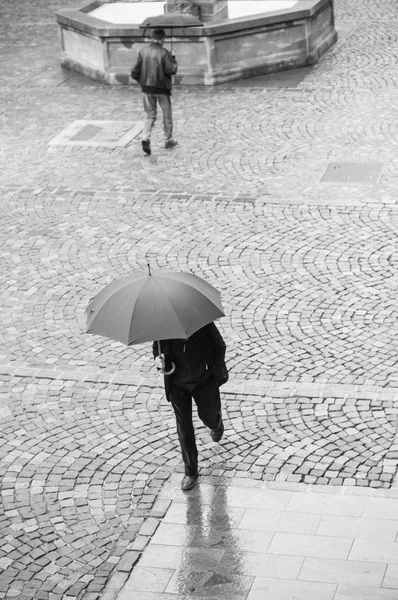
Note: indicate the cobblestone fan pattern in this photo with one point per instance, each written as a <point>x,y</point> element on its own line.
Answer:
<point>279,143</point>
<point>82,463</point>
<point>309,291</point>
<point>307,271</point>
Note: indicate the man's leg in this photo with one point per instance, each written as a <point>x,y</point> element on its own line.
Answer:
<point>150,108</point>
<point>165,105</point>
<point>181,402</point>
<point>208,401</point>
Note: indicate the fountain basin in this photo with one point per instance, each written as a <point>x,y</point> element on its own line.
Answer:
<point>247,46</point>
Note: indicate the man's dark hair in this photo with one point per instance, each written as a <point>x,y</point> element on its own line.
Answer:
<point>158,34</point>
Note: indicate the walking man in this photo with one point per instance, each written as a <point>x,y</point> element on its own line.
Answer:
<point>199,371</point>
<point>153,70</point>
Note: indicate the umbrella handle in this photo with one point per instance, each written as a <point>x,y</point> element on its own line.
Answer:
<point>161,356</point>
<point>173,368</point>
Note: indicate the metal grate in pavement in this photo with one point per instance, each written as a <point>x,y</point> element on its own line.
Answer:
<point>352,172</point>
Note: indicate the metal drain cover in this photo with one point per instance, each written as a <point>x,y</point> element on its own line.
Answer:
<point>108,134</point>
<point>352,172</point>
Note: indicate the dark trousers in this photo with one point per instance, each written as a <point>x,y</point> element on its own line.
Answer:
<point>207,399</point>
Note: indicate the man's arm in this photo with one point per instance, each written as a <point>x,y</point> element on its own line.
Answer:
<point>136,71</point>
<point>170,64</point>
<point>219,348</point>
<point>219,345</point>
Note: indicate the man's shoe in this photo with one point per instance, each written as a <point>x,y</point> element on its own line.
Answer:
<point>146,146</point>
<point>188,482</point>
<point>216,434</point>
<point>171,144</point>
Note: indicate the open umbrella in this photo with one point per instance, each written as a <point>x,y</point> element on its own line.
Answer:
<point>147,307</point>
<point>171,21</point>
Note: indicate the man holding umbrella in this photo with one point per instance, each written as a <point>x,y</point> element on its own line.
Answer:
<point>177,310</point>
<point>153,70</point>
<point>197,370</point>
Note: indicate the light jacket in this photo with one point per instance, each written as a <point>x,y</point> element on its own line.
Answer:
<point>153,70</point>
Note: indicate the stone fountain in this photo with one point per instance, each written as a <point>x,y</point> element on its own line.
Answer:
<point>239,38</point>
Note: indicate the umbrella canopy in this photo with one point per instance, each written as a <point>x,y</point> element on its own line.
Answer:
<point>148,307</point>
<point>172,20</point>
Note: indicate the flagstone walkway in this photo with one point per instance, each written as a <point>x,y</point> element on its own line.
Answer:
<point>244,539</point>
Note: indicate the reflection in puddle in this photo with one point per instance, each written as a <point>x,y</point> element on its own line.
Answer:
<point>206,562</point>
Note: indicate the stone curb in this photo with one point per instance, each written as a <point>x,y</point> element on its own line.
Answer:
<point>166,195</point>
<point>252,387</point>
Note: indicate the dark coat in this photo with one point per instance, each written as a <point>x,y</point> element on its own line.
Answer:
<point>197,358</point>
<point>153,70</point>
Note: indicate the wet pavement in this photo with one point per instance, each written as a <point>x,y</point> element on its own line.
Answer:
<point>245,539</point>
<point>282,193</point>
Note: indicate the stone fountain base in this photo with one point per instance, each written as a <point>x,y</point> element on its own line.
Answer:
<point>218,52</point>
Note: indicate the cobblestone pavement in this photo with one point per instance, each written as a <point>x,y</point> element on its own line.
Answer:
<point>306,268</point>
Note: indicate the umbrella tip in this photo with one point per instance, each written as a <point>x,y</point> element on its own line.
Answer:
<point>149,269</point>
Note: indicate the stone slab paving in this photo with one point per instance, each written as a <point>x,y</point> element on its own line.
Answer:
<point>243,539</point>
<point>89,464</point>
